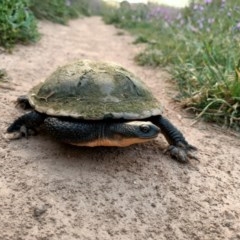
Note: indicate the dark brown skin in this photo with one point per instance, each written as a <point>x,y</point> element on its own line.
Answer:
<point>111,132</point>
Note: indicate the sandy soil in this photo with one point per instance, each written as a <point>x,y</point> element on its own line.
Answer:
<point>49,190</point>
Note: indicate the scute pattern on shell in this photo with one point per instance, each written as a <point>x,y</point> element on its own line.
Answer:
<point>94,90</point>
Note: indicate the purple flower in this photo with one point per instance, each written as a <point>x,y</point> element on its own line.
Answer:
<point>211,20</point>
<point>200,20</point>
<point>237,27</point>
<point>198,7</point>
<point>68,2</point>
<point>195,7</point>
<point>163,12</point>
<point>208,1</point>
<point>223,3</point>
<point>200,25</point>
<point>182,22</point>
<point>179,16</point>
<point>193,29</point>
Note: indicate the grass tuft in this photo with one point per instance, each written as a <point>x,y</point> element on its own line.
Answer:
<point>61,11</point>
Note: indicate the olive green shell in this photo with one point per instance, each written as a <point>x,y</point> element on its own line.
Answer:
<point>94,90</point>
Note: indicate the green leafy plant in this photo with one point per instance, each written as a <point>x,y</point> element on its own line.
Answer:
<point>17,23</point>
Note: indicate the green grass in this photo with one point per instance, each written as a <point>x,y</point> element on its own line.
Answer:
<point>199,45</point>
<point>61,11</point>
<point>52,10</point>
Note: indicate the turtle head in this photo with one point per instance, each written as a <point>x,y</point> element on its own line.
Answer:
<point>128,133</point>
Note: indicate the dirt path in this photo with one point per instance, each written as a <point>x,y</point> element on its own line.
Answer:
<point>53,191</point>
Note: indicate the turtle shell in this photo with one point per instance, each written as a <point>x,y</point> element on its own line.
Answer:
<point>94,90</point>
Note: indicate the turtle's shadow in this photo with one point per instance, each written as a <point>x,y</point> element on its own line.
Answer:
<point>70,154</point>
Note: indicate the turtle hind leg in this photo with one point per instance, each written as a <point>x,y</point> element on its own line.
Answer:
<point>179,148</point>
<point>23,102</point>
<point>26,124</point>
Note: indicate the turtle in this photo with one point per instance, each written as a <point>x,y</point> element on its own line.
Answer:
<point>96,103</point>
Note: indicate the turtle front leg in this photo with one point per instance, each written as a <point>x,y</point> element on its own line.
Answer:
<point>178,148</point>
<point>26,124</point>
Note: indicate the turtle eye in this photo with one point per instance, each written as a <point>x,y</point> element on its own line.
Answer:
<point>145,128</point>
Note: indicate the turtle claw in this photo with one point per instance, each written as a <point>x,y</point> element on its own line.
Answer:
<point>12,136</point>
<point>182,153</point>
<point>22,132</point>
